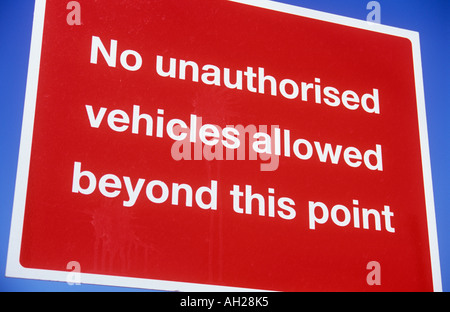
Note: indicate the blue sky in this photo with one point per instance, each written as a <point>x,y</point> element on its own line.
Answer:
<point>429,18</point>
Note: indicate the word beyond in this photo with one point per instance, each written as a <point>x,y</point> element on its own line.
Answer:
<point>110,185</point>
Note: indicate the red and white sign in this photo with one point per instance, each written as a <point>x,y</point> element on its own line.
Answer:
<point>219,145</point>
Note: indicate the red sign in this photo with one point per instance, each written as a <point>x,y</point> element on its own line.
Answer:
<point>215,145</point>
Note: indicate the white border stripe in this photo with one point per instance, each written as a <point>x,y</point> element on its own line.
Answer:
<point>426,166</point>
<point>15,239</point>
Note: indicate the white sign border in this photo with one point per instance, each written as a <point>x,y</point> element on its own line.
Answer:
<point>15,269</point>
